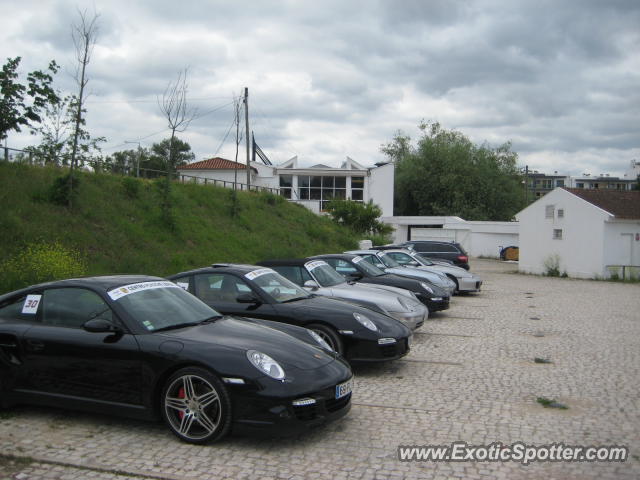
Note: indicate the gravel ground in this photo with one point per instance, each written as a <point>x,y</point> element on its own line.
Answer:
<point>471,376</point>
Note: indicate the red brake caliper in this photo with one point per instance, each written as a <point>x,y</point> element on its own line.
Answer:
<point>181,395</point>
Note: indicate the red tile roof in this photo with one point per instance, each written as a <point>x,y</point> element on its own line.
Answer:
<point>216,163</point>
<point>621,204</point>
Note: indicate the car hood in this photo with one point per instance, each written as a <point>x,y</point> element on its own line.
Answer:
<point>418,273</point>
<point>382,297</point>
<point>236,333</point>
<point>342,315</point>
<point>453,270</point>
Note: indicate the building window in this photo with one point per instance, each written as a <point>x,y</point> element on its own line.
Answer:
<point>548,211</point>
<point>559,183</point>
<point>580,185</point>
<point>322,188</point>
<point>285,185</point>
<point>357,189</point>
<point>561,213</point>
<point>557,234</point>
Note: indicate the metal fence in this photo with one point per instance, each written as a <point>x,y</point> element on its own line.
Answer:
<point>32,158</point>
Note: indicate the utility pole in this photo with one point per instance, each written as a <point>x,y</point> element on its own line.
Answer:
<point>246,124</point>
<point>526,185</point>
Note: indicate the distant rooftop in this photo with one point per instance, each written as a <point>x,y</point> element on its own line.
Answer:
<point>216,163</point>
<point>621,204</point>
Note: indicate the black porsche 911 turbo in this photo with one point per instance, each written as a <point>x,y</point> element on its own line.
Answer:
<point>142,347</point>
<point>358,333</point>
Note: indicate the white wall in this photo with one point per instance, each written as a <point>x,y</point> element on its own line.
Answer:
<point>488,238</point>
<point>218,175</point>
<point>477,238</point>
<point>380,188</point>
<point>621,246</point>
<point>581,249</point>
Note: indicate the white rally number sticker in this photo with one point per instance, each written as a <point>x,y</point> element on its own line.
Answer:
<point>183,285</point>
<point>315,264</point>
<point>257,273</point>
<point>125,290</point>
<point>357,259</point>
<point>31,303</point>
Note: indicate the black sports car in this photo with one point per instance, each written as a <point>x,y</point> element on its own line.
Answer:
<point>356,332</point>
<point>352,266</point>
<point>143,347</point>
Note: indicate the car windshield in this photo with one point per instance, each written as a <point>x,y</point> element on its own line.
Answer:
<point>388,261</point>
<point>369,268</point>
<point>423,260</point>
<point>324,274</point>
<point>278,287</point>
<point>374,261</point>
<point>162,307</point>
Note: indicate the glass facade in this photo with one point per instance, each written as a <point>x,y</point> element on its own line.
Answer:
<point>326,188</point>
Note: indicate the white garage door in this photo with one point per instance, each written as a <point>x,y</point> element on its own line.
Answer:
<point>433,234</point>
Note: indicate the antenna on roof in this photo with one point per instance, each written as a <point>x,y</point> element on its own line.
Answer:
<point>258,151</point>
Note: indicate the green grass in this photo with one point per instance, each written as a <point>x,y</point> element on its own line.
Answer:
<point>549,403</point>
<point>116,231</point>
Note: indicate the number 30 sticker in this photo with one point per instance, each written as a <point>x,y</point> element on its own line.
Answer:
<point>31,304</point>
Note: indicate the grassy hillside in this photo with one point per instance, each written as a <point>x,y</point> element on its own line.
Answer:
<point>116,227</point>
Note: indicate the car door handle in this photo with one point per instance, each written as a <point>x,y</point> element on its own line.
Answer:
<point>8,345</point>
<point>35,345</point>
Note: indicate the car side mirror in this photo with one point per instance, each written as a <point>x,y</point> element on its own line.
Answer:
<point>101,325</point>
<point>355,276</point>
<point>247,298</point>
<point>312,284</point>
<point>413,263</point>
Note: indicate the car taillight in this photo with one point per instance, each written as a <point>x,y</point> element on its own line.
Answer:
<point>463,258</point>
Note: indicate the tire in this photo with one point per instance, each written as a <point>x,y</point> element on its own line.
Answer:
<point>455,280</point>
<point>329,335</point>
<point>184,409</point>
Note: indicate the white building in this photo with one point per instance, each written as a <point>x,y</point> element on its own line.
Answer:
<point>312,186</point>
<point>586,233</point>
<point>478,238</point>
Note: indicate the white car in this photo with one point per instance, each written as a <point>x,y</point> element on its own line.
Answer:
<point>465,281</point>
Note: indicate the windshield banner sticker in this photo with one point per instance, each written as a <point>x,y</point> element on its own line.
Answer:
<point>257,273</point>
<point>31,303</point>
<point>315,264</point>
<point>120,292</point>
<point>357,259</point>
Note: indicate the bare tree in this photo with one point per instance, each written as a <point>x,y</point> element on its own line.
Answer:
<point>84,34</point>
<point>179,115</point>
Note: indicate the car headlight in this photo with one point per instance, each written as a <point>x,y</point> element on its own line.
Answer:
<point>320,340</point>
<point>266,364</point>
<point>426,287</point>
<point>365,321</point>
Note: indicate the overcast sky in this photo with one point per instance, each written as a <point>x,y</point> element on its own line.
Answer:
<point>330,79</point>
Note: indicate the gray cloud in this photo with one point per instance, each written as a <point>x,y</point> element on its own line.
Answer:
<point>326,80</point>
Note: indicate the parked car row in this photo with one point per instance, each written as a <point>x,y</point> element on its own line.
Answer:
<point>220,348</point>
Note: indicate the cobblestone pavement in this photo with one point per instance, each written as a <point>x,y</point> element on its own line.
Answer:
<point>471,377</point>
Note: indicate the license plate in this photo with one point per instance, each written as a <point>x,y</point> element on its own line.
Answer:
<point>343,389</point>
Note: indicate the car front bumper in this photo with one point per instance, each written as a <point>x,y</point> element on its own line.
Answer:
<point>371,351</point>
<point>471,284</point>
<point>256,409</point>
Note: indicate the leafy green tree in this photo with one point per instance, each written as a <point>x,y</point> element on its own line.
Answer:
<point>360,217</point>
<point>447,174</point>
<point>16,110</point>
<point>169,154</point>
